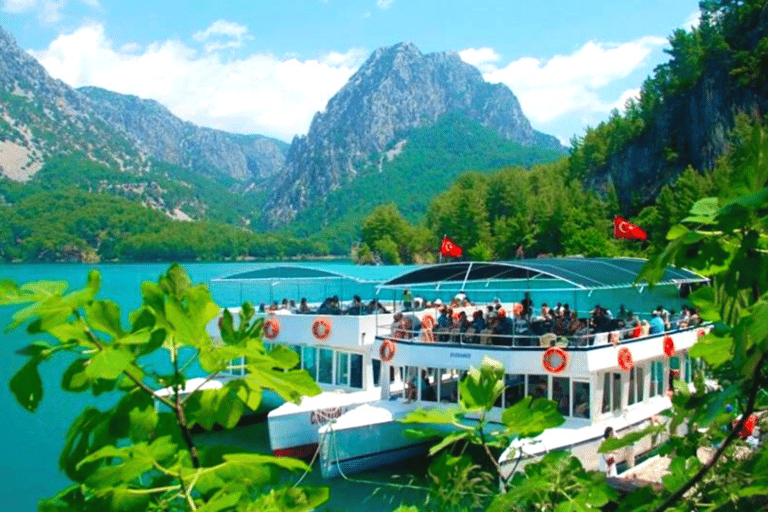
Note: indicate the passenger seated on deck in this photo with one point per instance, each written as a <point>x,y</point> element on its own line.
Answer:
<point>262,308</point>
<point>504,330</point>
<point>376,306</point>
<point>657,324</point>
<point>478,324</point>
<point>303,306</point>
<point>356,307</point>
<point>490,327</point>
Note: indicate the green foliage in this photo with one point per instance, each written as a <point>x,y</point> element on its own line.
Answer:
<point>136,456</point>
<point>431,159</point>
<point>69,224</point>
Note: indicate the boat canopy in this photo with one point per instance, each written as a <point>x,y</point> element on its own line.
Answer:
<point>273,282</point>
<point>553,274</point>
<point>276,273</point>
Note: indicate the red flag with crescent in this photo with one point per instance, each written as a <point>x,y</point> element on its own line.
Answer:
<point>448,248</point>
<point>624,229</point>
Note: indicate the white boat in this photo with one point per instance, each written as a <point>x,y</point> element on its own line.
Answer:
<point>338,350</point>
<point>597,383</point>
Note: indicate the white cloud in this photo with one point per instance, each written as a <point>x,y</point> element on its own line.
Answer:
<point>223,34</point>
<point>48,12</point>
<point>693,20</point>
<point>260,93</point>
<point>384,4</point>
<point>484,59</point>
<point>567,85</point>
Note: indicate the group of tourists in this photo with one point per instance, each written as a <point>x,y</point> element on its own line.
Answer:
<point>492,324</point>
<point>330,306</point>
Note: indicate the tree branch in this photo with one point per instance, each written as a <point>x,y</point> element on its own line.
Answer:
<point>97,342</point>
<point>179,410</point>
<point>756,383</point>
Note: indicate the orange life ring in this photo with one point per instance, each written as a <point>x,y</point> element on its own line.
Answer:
<point>387,350</point>
<point>669,346</point>
<point>428,322</point>
<point>615,338</point>
<point>625,359</point>
<point>551,354</point>
<point>271,328</point>
<point>321,328</point>
<point>427,335</point>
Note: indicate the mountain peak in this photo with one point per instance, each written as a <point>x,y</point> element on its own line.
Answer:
<point>396,90</point>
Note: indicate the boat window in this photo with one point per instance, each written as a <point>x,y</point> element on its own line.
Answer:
<point>449,387</point>
<point>581,399</point>
<point>342,368</point>
<point>236,366</point>
<point>309,361</point>
<point>376,371</point>
<point>325,368</point>
<point>688,368</point>
<point>639,382</point>
<point>297,349</point>
<point>356,371</point>
<point>429,385</point>
<point>561,394</point>
<point>411,382</point>
<point>606,393</point>
<point>538,386</point>
<point>515,389</point>
<point>631,397</point>
<point>611,392</point>
<point>616,392</point>
<point>657,378</point>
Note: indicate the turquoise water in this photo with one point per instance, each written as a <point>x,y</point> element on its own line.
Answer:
<point>33,441</point>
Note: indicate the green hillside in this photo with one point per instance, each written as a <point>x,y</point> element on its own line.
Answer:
<point>430,161</point>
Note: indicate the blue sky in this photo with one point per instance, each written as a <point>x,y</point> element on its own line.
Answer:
<point>266,66</point>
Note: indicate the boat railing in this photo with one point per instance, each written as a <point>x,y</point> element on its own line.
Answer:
<point>456,337</point>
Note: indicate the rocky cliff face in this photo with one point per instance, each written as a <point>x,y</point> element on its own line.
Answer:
<point>688,129</point>
<point>395,90</point>
<point>41,117</point>
<point>166,137</point>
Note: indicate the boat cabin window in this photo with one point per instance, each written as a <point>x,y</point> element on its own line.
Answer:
<point>356,371</point>
<point>688,366</point>
<point>611,392</point>
<point>657,379</point>
<point>376,366</point>
<point>342,368</point>
<point>538,386</point>
<point>515,389</point>
<point>581,399</point>
<point>636,377</point>
<point>309,361</point>
<point>561,394</point>
<point>449,390</point>
<point>236,366</point>
<point>325,367</point>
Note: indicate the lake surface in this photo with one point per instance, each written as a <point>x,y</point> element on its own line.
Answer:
<point>33,441</point>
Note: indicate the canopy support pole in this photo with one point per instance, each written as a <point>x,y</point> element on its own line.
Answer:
<point>466,276</point>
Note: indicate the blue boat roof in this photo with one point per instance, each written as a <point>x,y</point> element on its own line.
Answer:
<point>572,273</point>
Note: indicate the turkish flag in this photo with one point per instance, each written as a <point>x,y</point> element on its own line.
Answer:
<point>448,248</point>
<point>624,229</point>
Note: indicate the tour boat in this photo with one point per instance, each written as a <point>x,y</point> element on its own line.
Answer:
<point>619,378</point>
<point>335,349</point>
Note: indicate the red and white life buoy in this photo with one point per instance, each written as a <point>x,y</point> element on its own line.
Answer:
<point>321,328</point>
<point>669,346</point>
<point>555,360</point>
<point>271,328</point>
<point>625,359</point>
<point>387,350</point>
<point>615,338</point>
<point>428,322</point>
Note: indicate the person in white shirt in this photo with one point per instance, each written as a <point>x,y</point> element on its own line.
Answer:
<point>607,462</point>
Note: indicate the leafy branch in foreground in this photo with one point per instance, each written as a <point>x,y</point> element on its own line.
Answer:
<point>136,456</point>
